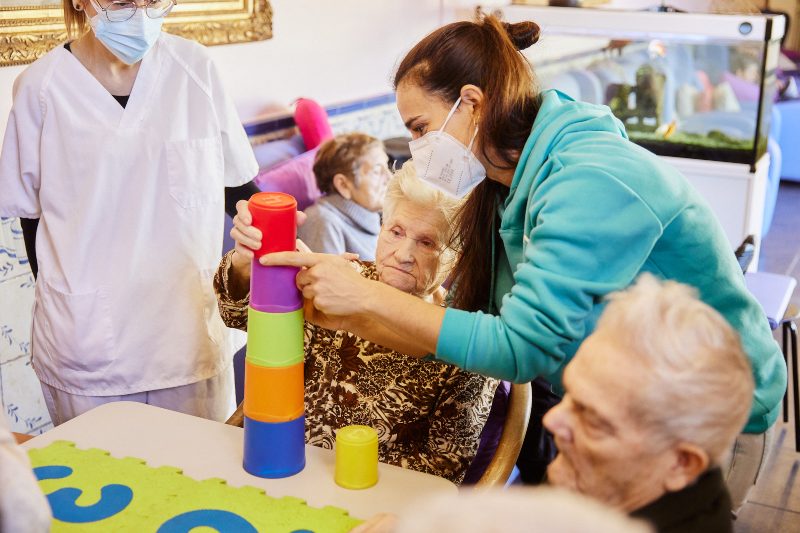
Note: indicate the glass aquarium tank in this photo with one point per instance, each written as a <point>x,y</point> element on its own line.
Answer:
<point>685,85</point>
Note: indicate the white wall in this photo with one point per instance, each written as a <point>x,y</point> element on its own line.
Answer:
<point>330,51</point>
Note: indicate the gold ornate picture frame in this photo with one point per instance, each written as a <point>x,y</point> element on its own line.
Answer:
<point>30,28</point>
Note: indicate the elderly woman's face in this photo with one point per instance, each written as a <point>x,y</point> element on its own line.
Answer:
<point>409,249</point>
<point>603,452</point>
<point>373,175</point>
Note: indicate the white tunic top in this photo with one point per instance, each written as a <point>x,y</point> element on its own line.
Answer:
<point>131,207</point>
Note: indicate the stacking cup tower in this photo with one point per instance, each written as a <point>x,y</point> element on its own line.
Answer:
<point>274,423</point>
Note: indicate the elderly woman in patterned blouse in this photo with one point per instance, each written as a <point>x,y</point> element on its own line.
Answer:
<point>428,415</point>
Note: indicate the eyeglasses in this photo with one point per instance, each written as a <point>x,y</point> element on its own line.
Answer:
<point>379,169</point>
<point>122,10</point>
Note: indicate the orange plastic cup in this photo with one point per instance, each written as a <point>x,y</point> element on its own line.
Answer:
<point>273,394</point>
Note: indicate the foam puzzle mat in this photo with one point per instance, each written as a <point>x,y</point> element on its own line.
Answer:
<point>90,491</point>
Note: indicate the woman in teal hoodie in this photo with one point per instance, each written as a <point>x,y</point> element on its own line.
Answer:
<point>571,211</point>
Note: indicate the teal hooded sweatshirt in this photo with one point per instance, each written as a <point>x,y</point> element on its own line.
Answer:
<point>587,212</point>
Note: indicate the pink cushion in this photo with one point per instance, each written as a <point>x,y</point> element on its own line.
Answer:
<point>312,121</point>
<point>294,176</point>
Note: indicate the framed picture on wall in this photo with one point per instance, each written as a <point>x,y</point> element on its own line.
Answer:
<point>30,28</point>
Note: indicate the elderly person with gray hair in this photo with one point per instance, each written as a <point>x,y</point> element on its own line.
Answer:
<point>428,415</point>
<point>655,398</point>
<point>351,171</point>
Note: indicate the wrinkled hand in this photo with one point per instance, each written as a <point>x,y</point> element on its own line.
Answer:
<point>380,523</point>
<point>318,318</point>
<point>331,283</point>
<point>248,238</point>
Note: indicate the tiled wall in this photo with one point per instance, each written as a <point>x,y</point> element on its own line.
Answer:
<point>19,388</point>
<point>20,393</point>
<point>377,117</point>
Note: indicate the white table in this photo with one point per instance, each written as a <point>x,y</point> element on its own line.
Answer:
<point>773,292</point>
<point>205,449</point>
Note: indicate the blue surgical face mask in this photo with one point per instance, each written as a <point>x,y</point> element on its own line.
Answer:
<point>129,40</point>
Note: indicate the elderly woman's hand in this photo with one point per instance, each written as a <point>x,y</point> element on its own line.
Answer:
<point>329,281</point>
<point>248,238</point>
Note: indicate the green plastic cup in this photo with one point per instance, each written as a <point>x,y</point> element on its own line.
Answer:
<point>274,339</point>
<point>356,457</point>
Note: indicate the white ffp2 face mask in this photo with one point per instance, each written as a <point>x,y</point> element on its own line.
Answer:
<point>444,162</point>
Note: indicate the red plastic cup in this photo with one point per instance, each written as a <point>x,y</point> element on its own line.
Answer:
<point>275,214</point>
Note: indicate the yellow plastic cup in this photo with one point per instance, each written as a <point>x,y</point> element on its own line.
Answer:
<point>356,457</point>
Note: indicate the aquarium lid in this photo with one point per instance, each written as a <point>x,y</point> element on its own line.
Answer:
<point>642,25</point>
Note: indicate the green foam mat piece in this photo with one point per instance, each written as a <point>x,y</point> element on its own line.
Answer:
<point>126,495</point>
<point>274,339</point>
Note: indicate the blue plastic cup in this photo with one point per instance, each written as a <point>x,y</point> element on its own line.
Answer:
<point>274,449</point>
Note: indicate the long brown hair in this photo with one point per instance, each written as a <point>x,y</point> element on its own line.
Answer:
<point>485,53</point>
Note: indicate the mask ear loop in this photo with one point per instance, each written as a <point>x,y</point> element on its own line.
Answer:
<point>450,114</point>
<point>472,140</point>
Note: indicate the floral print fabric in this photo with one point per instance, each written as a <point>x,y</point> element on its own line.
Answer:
<point>428,415</point>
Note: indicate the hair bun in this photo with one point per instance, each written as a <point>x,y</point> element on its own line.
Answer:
<point>523,34</point>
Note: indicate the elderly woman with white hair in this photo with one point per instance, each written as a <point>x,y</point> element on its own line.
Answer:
<point>655,398</point>
<point>428,415</point>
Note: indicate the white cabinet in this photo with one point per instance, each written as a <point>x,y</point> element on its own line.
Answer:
<point>735,193</point>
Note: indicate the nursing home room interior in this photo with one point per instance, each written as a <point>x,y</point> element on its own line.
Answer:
<point>399,266</point>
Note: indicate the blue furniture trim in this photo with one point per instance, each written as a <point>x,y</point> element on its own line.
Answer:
<point>261,128</point>
<point>383,99</point>
<point>286,122</point>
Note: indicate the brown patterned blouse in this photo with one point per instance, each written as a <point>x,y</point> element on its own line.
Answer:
<point>428,415</point>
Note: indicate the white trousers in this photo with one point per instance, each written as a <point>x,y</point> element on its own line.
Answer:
<point>745,465</point>
<point>213,398</point>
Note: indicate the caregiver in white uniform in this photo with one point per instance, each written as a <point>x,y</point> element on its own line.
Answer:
<point>121,143</point>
